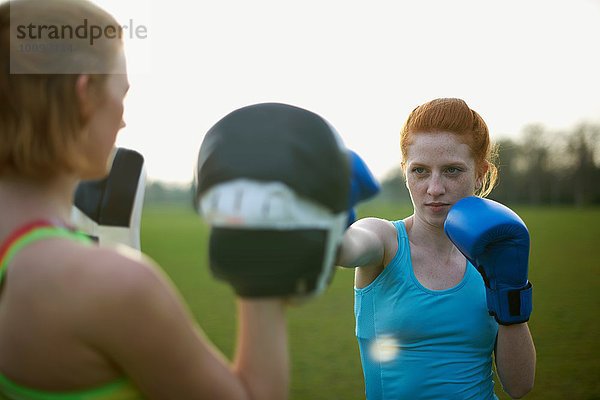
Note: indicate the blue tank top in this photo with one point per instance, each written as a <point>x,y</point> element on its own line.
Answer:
<point>417,343</point>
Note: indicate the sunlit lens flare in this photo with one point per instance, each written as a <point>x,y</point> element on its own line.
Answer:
<point>384,349</point>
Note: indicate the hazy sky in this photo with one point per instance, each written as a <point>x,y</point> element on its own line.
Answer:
<point>363,66</point>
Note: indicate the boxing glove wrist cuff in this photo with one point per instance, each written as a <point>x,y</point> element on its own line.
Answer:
<point>509,305</point>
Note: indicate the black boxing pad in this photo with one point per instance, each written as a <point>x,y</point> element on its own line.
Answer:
<point>110,209</point>
<point>273,182</point>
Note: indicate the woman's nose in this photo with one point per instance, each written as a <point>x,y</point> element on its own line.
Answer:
<point>435,185</point>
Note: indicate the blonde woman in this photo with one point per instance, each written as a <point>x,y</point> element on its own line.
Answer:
<point>79,321</point>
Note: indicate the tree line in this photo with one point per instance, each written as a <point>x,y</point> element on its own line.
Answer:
<point>539,167</point>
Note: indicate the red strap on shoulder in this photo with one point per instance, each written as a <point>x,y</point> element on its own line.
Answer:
<point>17,233</point>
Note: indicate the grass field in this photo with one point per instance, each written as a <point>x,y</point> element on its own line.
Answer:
<point>564,269</point>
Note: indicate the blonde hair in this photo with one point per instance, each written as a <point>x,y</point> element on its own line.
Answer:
<point>455,116</point>
<point>41,122</point>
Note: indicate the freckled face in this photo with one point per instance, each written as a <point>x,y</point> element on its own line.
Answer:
<point>440,170</point>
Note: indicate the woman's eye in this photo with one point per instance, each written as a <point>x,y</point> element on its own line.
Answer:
<point>452,170</point>
<point>419,170</point>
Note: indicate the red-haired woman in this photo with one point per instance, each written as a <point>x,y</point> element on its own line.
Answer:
<point>422,320</point>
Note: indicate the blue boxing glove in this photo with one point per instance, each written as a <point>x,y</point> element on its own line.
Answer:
<point>496,242</point>
<point>363,184</point>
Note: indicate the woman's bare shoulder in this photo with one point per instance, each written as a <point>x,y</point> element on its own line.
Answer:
<point>379,226</point>
<point>115,271</point>
<point>71,272</point>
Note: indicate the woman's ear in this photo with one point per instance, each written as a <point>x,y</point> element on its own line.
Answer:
<point>481,175</point>
<point>84,95</point>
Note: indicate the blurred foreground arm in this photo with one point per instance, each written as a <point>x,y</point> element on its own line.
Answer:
<point>141,322</point>
<point>262,360</point>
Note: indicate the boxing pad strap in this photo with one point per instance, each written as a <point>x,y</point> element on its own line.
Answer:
<point>248,204</point>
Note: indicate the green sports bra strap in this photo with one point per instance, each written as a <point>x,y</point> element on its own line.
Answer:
<point>24,237</point>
